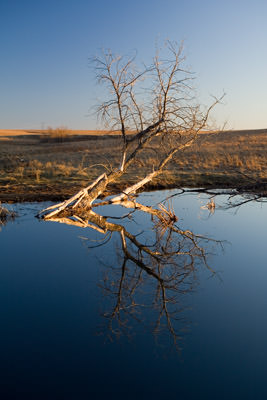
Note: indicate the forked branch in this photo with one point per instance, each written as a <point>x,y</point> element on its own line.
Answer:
<point>147,105</point>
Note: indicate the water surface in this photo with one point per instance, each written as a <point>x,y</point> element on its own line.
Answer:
<point>56,338</point>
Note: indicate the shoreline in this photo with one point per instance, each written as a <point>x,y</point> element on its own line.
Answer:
<point>59,193</point>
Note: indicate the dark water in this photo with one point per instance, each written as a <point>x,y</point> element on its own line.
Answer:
<point>56,338</point>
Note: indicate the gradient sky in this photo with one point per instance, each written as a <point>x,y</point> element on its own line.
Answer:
<point>45,79</point>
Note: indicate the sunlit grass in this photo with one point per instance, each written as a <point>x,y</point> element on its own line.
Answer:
<point>225,159</point>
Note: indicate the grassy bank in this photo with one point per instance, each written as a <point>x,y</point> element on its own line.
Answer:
<point>53,165</point>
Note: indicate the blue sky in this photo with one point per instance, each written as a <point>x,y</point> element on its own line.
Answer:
<point>45,79</point>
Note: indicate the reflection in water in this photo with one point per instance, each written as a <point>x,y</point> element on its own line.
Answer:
<point>50,305</point>
<point>232,198</point>
<point>154,270</point>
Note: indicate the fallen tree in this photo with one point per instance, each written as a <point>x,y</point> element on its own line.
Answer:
<point>154,105</point>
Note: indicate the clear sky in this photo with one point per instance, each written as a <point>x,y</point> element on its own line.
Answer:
<point>45,79</point>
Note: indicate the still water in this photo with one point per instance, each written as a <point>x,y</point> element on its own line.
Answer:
<point>62,336</point>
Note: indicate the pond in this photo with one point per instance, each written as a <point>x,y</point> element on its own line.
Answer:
<point>78,323</point>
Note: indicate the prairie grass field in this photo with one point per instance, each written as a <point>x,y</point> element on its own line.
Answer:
<point>54,164</point>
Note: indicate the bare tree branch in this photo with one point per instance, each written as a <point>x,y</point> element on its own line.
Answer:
<point>146,105</point>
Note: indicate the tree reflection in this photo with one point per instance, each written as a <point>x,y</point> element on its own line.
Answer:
<point>233,198</point>
<point>153,271</point>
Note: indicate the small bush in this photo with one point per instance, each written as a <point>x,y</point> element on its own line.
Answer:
<point>58,133</point>
<point>6,215</point>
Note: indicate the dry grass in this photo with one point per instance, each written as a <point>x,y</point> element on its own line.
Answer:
<point>7,133</point>
<point>6,215</point>
<point>30,164</point>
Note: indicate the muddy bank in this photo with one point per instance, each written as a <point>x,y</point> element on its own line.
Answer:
<point>33,193</point>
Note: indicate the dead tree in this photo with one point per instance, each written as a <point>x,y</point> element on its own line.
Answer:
<point>156,103</point>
